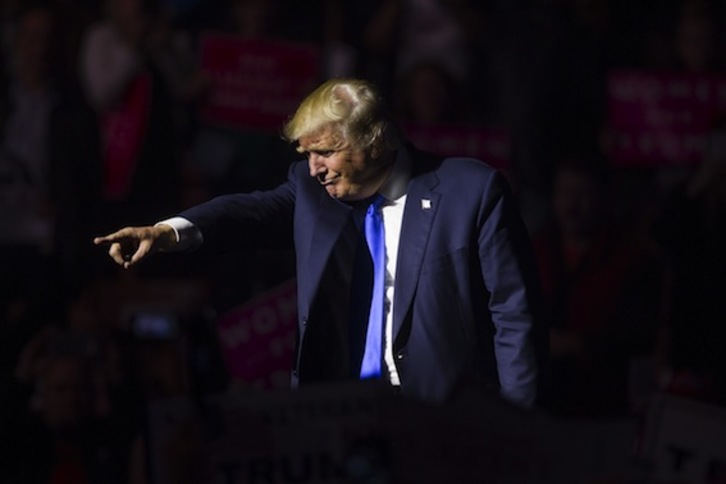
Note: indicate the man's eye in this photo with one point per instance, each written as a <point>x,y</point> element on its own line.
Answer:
<point>323,153</point>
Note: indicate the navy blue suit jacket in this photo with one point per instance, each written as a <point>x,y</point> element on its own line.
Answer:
<point>466,299</point>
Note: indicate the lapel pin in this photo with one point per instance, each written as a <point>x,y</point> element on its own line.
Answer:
<point>425,204</point>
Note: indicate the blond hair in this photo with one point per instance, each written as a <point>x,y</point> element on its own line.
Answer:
<point>353,108</point>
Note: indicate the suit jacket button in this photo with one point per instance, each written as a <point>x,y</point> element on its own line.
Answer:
<point>400,355</point>
<point>304,321</point>
<point>294,373</point>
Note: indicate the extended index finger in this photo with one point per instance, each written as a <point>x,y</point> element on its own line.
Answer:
<point>113,237</point>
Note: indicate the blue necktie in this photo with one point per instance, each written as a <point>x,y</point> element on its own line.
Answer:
<point>371,366</point>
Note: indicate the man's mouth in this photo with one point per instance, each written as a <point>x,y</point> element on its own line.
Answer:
<point>326,181</point>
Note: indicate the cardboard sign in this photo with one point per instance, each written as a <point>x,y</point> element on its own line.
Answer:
<point>257,338</point>
<point>686,440</point>
<point>657,119</point>
<point>489,144</point>
<point>262,437</point>
<point>255,84</point>
<point>345,432</point>
<point>341,433</point>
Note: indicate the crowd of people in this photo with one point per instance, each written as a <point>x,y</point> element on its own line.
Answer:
<point>630,258</point>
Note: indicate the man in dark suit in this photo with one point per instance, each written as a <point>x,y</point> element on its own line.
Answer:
<point>461,300</point>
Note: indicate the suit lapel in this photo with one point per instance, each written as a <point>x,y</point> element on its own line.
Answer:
<point>418,217</point>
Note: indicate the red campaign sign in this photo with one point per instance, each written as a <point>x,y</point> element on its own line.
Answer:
<point>657,119</point>
<point>489,144</point>
<point>123,130</point>
<point>255,84</point>
<point>257,337</point>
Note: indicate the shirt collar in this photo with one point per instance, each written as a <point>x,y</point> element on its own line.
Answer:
<point>397,182</point>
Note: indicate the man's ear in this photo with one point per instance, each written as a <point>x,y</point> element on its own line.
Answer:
<point>375,152</point>
<point>381,155</point>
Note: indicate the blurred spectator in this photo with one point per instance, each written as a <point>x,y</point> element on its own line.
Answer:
<point>78,398</point>
<point>223,159</point>
<point>47,158</point>
<point>693,231</point>
<point>226,159</point>
<point>696,41</point>
<point>604,291</point>
<point>672,35</point>
<point>546,69</point>
<point>170,358</point>
<point>57,437</point>
<point>429,95</point>
<point>253,18</point>
<point>8,12</point>
<point>689,223</point>
<point>290,20</point>
<point>400,33</point>
<point>136,71</point>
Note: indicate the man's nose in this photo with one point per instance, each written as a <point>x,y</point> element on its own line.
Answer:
<point>316,165</point>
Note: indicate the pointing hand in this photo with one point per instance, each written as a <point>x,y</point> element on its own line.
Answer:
<point>130,245</point>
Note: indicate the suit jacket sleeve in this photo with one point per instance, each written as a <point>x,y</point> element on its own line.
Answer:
<point>510,276</point>
<point>261,219</point>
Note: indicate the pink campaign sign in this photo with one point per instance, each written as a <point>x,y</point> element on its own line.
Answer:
<point>123,132</point>
<point>489,144</point>
<point>660,119</point>
<point>257,337</point>
<point>255,84</point>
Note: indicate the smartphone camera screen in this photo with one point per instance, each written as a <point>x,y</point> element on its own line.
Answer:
<point>155,325</point>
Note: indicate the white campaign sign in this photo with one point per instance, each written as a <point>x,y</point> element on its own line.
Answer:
<point>686,440</point>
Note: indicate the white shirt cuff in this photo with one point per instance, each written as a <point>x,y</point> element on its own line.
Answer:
<point>188,235</point>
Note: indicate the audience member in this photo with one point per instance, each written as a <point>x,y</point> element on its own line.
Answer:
<point>57,437</point>
<point>692,229</point>
<point>82,389</point>
<point>225,159</point>
<point>47,156</point>
<point>136,72</point>
<point>399,33</point>
<point>429,95</point>
<point>604,292</point>
<point>696,39</point>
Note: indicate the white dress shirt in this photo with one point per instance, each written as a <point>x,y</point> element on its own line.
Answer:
<point>394,191</point>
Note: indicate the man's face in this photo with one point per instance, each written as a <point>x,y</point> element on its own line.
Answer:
<point>577,204</point>
<point>347,174</point>
<point>65,393</point>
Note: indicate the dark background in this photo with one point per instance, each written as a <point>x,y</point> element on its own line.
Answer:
<point>631,257</point>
